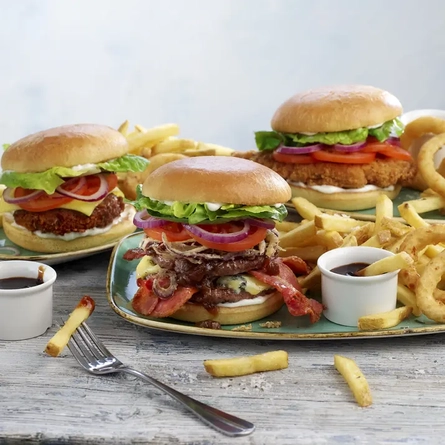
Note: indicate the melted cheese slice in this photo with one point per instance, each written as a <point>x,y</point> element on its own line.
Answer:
<point>87,208</point>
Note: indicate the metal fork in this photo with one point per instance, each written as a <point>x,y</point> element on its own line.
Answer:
<point>92,355</point>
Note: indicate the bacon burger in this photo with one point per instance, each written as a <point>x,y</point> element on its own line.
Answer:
<point>210,251</point>
<point>338,147</point>
<point>62,190</point>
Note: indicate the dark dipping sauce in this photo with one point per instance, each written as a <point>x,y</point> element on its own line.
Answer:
<point>349,269</point>
<point>22,282</point>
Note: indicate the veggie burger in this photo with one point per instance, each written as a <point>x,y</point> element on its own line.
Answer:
<point>338,147</point>
<point>61,188</point>
<point>210,250</point>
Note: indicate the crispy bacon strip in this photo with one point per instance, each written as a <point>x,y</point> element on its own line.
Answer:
<point>286,283</point>
<point>146,302</point>
<point>296,264</point>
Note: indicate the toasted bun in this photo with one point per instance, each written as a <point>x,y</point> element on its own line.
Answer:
<point>348,201</point>
<point>26,239</point>
<point>64,147</point>
<point>223,179</point>
<point>243,314</point>
<point>338,108</point>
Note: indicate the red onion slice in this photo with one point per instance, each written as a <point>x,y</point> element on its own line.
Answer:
<point>393,141</point>
<point>299,150</point>
<point>349,148</point>
<point>144,221</point>
<point>8,196</point>
<point>100,193</point>
<point>266,224</point>
<point>219,237</point>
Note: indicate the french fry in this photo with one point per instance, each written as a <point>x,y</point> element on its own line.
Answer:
<point>286,226</point>
<point>238,366</point>
<point>427,203</point>
<point>219,150</point>
<point>409,214</point>
<point>408,298</point>
<point>306,253</point>
<point>381,239</point>
<point>363,232</point>
<point>355,379</point>
<point>300,234</point>
<point>173,146</point>
<point>153,136</point>
<point>61,338</point>
<point>311,281</point>
<point>123,128</point>
<point>305,208</point>
<point>432,250</point>
<point>384,320</point>
<point>349,241</point>
<point>140,128</point>
<point>396,228</point>
<point>330,239</point>
<point>392,263</point>
<point>191,152</point>
<point>338,223</point>
<point>383,209</point>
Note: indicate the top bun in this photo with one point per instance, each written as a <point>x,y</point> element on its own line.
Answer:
<point>219,179</point>
<point>338,108</point>
<point>64,146</point>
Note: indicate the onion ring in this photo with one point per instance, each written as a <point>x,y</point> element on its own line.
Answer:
<point>425,162</point>
<point>427,289</point>
<point>420,127</point>
<point>418,239</point>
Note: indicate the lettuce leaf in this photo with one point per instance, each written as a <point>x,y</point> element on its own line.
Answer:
<point>382,133</point>
<point>5,146</point>
<point>197,213</point>
<point>50,179</point>
<point>336,137</point>
<point>270,140</point>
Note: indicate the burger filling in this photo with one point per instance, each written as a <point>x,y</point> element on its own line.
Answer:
<point>214,263</point>
<point>345,159</point>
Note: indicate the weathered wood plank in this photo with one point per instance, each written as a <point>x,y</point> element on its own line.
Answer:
<point>53,401</point>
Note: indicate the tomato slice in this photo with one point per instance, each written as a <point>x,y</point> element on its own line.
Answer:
<point>392,151</point>
<point>293,159</point>
<point>48,202</point>
<point>358,157</point>
<point>256,235</point>
<point>173,231</point>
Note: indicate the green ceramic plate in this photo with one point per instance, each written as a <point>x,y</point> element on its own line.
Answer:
<point>10,251</point>
<point>121,286</point>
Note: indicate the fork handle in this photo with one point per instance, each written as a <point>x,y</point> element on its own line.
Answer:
<point>221,421</point>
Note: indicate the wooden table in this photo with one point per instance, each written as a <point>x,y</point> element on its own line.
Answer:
<point>53,401</point>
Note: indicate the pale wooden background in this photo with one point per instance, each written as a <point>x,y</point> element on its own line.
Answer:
<point>53,401</point>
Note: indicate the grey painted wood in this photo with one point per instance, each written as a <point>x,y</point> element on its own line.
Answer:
<point>53,401</point>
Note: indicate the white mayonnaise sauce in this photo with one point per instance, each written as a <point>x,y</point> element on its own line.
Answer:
<point>87,167</point>
<point>128,213</point>
<point>246,302</point>
<point>213,206</point>
<point>328,189</point>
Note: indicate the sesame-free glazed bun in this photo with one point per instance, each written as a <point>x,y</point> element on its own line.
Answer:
<point>194,313</point>
<point>348,201</point>
<point>337,108</point>
<point>28,240</point>
<point>219,179</point>
<point>64,146</point>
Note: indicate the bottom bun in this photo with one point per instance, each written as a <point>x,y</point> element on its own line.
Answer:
<point>347,201</point>
<point>230,315</point>
<point>26,239</point>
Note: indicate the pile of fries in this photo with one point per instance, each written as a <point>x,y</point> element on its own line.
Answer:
<point>320,231</point>
<point>160,145</point>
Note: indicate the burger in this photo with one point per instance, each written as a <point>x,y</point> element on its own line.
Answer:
<point>338,147</point>
<point>61,188</point>
<point>210,246</point>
